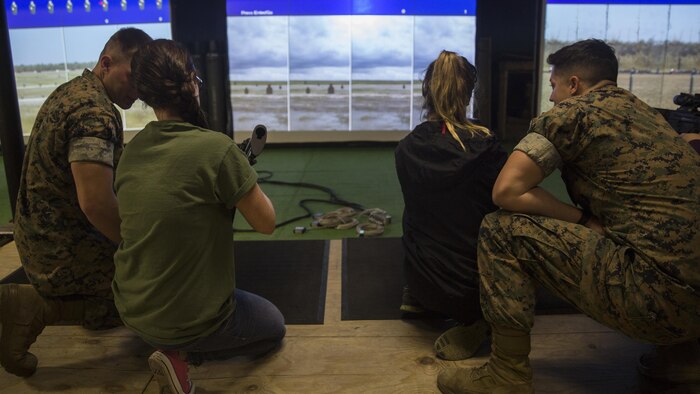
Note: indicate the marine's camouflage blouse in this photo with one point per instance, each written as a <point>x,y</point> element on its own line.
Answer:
<point>60,250</point>
<point>621,160</point>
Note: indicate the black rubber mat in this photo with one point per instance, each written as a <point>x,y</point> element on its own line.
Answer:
<point>17,276</point>
<point>372,278</point>
<point>373,281</point>
<point>5,239</point>
<point>291,274</point>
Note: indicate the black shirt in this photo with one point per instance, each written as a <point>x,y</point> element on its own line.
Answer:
<point>447,192</point>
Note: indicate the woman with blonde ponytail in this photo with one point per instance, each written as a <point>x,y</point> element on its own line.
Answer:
<point>177,184</point>
<point>447,167</point>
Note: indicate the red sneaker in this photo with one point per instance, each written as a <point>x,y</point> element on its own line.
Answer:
<point>171,371</point>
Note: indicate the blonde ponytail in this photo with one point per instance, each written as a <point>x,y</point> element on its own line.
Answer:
<point>447,89</point>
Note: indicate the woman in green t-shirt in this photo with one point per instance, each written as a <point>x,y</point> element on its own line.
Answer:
<point>177,184</point>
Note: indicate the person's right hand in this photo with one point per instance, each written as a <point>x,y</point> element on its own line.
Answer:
<point>243,146</point>
<point>594,224</point>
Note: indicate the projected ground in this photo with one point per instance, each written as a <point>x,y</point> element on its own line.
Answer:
<point>323,105</point>
<point>318,105</point>
<point>259,103</point>
<point>381,106</point>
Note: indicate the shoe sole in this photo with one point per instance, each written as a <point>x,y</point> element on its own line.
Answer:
<point>411,309</point>
<point>164,374</point>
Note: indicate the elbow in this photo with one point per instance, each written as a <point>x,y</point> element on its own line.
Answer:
<point>505,198</point>
<point>268,226</point>
<point>91,210</point>
<point>267,229</point>
<point>500,196</point>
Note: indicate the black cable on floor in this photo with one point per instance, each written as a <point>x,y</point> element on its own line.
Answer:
<point>264,177</point>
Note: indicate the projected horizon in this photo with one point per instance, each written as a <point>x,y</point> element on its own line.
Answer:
<point>53,41</point>
<point>657,43</point>
<point>340,66</point>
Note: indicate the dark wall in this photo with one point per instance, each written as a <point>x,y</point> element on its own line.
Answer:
<point>11,138</point>
<point>507,31</point>
<point>511,26</point>
<point>202,29</point>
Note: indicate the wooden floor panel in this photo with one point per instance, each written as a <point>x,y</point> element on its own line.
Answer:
<point>9,259</point>
<point>570,354</point>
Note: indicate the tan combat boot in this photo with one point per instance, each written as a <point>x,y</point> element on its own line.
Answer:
<point>507,371</point>
<point>678,363</point>
<point>24,314</point>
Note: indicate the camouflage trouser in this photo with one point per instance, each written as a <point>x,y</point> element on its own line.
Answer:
<point>606,281</point>
<point>100,311</point>
<point>53,278</point>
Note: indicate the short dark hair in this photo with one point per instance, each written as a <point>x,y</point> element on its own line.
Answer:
<point>126,41</point>
<point>593,59</point>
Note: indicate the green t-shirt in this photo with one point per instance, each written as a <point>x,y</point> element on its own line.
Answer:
<point>177,185</point>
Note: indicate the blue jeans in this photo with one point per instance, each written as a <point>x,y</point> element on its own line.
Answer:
<point>255,328</point>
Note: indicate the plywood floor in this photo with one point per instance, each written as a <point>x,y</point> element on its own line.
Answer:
<point>571,354</point>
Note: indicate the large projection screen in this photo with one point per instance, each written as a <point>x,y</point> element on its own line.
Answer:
<point>657,43</point>
<point>324,68</point>
<point>53,41</point>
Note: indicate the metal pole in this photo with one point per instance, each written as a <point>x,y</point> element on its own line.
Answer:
<point>631,78</point>
<point>11,137</point>
<point>216,89</point>
<point>692,80</point>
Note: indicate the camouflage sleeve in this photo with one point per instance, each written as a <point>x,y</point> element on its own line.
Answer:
<point>541,151</point>
<point>91,149</point>
<point>93,118</point>
<point>564,127</point>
